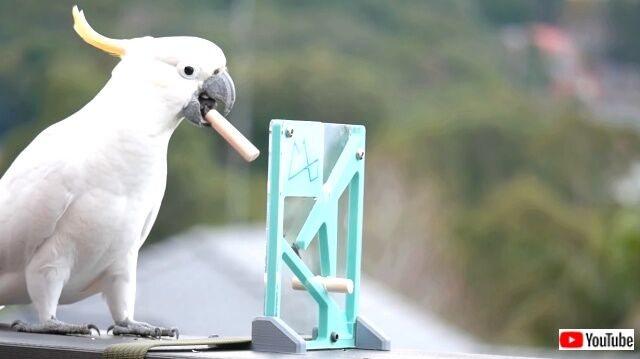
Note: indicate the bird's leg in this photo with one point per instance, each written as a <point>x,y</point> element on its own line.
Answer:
<point>120,293</point>
<point>54,326</point>
<point>45,279</point>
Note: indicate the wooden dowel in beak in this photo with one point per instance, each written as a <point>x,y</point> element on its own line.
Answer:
<point>245,148</point>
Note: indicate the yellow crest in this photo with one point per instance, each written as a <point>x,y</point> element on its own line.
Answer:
<point>91,37</point>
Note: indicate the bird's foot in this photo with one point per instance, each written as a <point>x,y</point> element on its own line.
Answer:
<point>132,327</point>
<point>54,326</point>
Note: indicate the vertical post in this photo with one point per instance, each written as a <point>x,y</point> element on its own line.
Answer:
<point>354,244</point>
<point>275,223</point>
<point>354,233</point>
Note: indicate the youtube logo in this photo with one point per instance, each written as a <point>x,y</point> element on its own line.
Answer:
<point>596,339</point>
<point>571,340</point>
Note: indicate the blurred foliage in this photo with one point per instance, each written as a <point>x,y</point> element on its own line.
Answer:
<point>501,196</point>
<point>507,12</point>
<point>624,42</point>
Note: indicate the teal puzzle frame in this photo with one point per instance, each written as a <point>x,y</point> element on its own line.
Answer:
<point>297,162</point>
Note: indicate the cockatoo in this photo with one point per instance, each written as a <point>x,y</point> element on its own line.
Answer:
<point>80,200</point>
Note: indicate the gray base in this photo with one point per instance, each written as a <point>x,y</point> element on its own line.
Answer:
<point>368,337</point>
<point>273,335</point>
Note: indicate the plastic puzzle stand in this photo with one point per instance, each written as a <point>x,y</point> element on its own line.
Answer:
<point>319,162</point>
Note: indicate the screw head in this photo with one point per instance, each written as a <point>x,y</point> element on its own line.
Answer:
<point>288,132</point>
<point>334,337</point>
<point>360,154</point>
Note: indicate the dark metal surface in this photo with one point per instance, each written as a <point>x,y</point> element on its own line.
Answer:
<point>42,346</point>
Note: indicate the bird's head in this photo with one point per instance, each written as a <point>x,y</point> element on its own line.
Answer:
<point>189,73</point>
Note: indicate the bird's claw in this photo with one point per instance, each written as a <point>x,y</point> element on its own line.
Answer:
<point>17,324</point>
<point>54,326</point>
<point>129,327</point>
<point>92,327</point>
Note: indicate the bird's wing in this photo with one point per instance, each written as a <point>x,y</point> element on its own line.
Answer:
<point>148,224</point>
<point>34,194</point>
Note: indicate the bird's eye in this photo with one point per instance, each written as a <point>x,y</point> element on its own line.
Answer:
<point>187,71</point>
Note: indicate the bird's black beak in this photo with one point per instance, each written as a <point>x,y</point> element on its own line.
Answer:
<point>218,92</point>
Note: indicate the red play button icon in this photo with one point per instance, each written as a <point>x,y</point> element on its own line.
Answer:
<point>571,340</point>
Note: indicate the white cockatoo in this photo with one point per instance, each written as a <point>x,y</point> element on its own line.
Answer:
<point>80,200</point>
